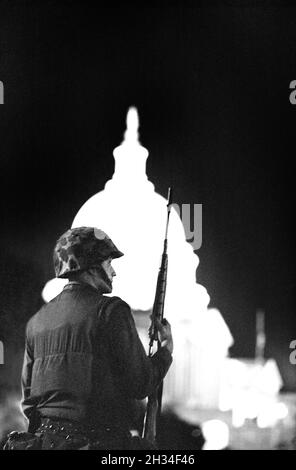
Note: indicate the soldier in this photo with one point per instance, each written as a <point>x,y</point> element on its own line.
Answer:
<point>85,366</point>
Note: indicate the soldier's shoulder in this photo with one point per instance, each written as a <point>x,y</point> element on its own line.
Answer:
<point>43,310</point>
<point>115,302</point>
<point>114,307</point>
<point>35,318</point>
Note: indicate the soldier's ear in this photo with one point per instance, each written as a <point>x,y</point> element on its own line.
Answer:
<point>92,271</point>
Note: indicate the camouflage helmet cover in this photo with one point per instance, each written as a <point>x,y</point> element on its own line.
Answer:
<point>82,248</point>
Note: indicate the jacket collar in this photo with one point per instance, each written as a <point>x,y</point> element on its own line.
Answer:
<point>80,285</point>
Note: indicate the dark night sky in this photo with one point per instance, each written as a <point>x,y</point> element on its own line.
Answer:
<point>211,85</point>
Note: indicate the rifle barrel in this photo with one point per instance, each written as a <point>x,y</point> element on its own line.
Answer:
<point>153,409</point>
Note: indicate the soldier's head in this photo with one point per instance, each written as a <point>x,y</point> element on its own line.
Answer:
<point>85,254</point>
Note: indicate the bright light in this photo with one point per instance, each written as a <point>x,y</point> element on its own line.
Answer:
<point>52,288</point>
<point>216,434</point>
<point>281,410</point>
<point>250,390</point>
<point>271,414</point>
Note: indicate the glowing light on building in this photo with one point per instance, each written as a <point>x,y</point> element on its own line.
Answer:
<point>216,434</point>
<point>270,413</point>
<point>250,389</point>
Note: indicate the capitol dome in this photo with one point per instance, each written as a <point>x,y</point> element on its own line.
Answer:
<point>134,216</point>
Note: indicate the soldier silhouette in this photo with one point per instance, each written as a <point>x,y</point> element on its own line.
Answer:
<point>85,367</point>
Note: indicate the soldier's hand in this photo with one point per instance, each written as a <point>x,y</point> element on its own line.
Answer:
<point>165,334</point>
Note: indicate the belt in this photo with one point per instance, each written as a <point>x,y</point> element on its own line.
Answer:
<point>70,429</point>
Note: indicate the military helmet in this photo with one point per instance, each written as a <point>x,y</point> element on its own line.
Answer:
<point>82,248</point>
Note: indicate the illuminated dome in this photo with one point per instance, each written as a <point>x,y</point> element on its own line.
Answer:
<point>134,216</point>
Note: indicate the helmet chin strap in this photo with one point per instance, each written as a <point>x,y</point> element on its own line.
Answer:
<point>104,276</point>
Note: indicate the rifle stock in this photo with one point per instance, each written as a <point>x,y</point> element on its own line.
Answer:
<point>150,420</point>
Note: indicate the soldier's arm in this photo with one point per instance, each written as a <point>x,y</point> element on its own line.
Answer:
<point>26,378</point>
<point>138,373</point>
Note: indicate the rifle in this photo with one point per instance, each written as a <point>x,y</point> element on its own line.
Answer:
<point>153,409</point>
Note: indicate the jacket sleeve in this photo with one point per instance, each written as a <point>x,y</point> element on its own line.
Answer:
<point>26,404</point>
<point>138,373</point>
